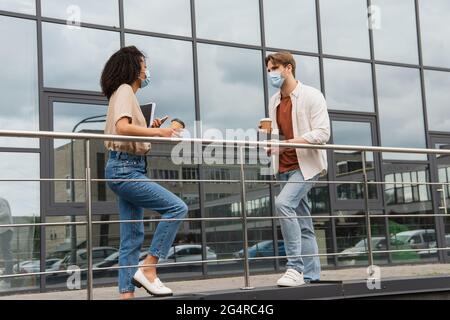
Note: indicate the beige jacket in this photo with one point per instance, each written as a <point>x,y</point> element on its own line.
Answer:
<point>310,121</point>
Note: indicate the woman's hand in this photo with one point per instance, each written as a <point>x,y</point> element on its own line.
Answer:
<point>156,123</point>
<point>168,132</point>
<point>123,127</point>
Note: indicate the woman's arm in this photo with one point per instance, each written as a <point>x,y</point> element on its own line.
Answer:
<point>124,127</point>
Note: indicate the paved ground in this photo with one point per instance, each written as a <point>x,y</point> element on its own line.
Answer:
<point>194,286</point>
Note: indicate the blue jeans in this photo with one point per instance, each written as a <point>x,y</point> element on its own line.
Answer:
<point>133,197</point>
<point>298,234</point>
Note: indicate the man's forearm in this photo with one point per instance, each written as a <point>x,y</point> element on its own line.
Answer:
<point>298,140</point>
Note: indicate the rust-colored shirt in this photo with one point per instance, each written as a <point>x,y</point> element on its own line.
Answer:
<point>288,159</point>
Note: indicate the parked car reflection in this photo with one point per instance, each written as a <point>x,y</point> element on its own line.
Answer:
<point>112,261</point>
<point>433,252</point>
<point>262,249</point>
<point>188,252</point>
<point>412,239</point>
<point>417,239</point>
<point>98,254</point>
<point>32,266</point>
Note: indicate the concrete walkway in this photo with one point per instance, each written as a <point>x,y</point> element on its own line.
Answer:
<point>196,286</point>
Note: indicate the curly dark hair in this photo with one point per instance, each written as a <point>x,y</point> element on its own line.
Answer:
<point>124,66</point>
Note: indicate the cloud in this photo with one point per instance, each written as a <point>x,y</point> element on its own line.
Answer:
<point>162,16</point>
<point>348,85</point>
<point>435,28</point>
<point>74,58</point>
<point>344,28</point>
<point>22,6</point>
<point>400,107</point>
<point>98,12</point>
<point>172,77</point>
<point>352,133</point>
<point>438,100</point>
<point>226,104</point>
<point>231,20</point>
<point>291,24</point>
<point>396,39</point>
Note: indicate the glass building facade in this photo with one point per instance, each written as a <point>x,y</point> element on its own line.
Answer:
<point>383,66</point>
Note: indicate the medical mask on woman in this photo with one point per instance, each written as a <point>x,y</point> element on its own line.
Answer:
<point>146,81</point>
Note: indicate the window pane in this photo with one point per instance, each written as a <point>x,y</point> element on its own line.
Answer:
<point>74,58</point>
<point>19,203</point>
<point>222,200</point>
<point>400,110</point>
<point>307,72</point>
<point>352,240</point>
<point>403,229</point>
<point>443,165</point>
<point>228,20</point>
<point>23,6</point>
<point>231,91</point>
<point>434,28</point>
<point>349,163</point>
<point>344,28</point>
<point>99,12</point>
<point>73,117</point>
<point>291,24</point>
<point>348,85</point>
<point>352,133</point>
<point>396,38</point>
<point>171,67</point>
<point>438,100</point>
<point>19,78</point>
<point>173,17</point>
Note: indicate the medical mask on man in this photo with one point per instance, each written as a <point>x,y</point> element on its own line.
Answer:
<point>276,79</point>
<point>146,81</point>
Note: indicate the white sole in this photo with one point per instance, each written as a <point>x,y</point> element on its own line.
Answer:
<point>140,285</point>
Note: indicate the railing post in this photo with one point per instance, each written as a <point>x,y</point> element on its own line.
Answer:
<point>244,222</point>
<point>90,279</point>
<point>443,205</point>
<point>366,208</point>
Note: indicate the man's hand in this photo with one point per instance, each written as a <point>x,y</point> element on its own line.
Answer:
<point>280,150</point>
<point>275,151</point>
<point>298,140</point>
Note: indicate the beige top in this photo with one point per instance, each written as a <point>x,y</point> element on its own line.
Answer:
<point>123,103</point>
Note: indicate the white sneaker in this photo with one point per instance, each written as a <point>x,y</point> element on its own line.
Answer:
<point>156,288</point>
<point>292,278</point>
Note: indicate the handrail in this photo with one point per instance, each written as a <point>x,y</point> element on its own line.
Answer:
<point>243,143</point>
<point>87,137</point>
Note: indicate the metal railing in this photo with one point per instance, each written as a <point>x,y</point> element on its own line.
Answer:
<point>88,180</point>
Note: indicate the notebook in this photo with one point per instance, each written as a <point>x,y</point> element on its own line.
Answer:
<point>148,110</point>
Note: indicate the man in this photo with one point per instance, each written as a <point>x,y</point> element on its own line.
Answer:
<point>300,114</point>
<point>6,234</point>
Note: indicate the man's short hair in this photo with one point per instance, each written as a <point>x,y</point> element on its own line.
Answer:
<point>283,58</point>
<point>179,121</point>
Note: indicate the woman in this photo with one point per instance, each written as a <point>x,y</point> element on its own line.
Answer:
<point>123,75</point>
